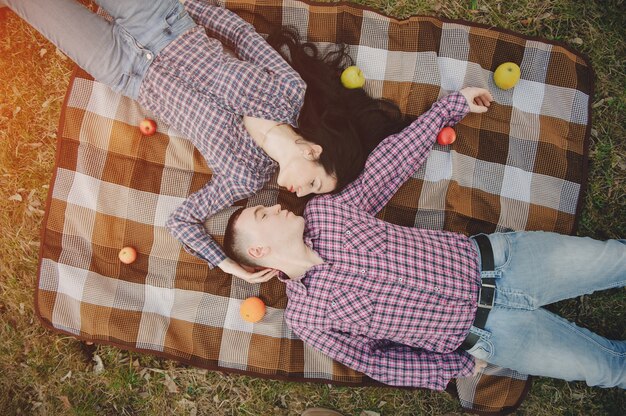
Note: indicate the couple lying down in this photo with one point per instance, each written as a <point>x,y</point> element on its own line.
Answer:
<point>405,306</point>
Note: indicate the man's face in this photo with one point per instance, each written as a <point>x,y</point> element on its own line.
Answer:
<point>270,228</point>
<point>303,175</point>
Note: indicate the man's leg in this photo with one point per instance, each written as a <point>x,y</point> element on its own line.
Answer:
<point>541,343</point>
<point>534,269</point>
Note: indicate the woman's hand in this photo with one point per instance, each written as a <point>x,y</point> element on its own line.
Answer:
<point>250,275</point>
<point>479,99</point>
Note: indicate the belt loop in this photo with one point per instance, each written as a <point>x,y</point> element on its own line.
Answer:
<point>486,252</point>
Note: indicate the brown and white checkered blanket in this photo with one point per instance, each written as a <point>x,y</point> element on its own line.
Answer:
<point>520,166</point>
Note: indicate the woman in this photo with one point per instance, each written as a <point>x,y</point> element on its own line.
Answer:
<point>247,114</point>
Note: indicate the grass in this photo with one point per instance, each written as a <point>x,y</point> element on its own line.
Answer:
<point>43,373</point>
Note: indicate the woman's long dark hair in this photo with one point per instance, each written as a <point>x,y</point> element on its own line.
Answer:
<point>347,123</point>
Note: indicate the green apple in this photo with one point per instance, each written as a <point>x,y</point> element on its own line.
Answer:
<point>352,77</point>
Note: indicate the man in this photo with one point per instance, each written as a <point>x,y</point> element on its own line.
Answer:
<point>418,307</point>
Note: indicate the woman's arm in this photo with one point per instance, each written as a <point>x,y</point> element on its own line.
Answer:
<point>240,36</point>
<point>398,156</point>
<point>186,223</point>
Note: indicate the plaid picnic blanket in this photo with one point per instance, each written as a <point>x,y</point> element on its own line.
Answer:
<point>521,166</point>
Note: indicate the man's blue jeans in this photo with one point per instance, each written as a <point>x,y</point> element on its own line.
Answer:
<point>534,269</point>
<point>117,53</point>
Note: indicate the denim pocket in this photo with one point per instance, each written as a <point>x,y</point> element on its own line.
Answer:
<point>501,246</point>
<point>174,14</point>
<point>483,349</point>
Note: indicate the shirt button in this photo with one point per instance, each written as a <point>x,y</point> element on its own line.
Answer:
<point>400,280</point>
<point>149,56</point>
<point>348,232</point>
<point>333,303</point>
<point>363,271</point>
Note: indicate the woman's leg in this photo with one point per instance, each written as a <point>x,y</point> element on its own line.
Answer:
<point>153,24</point>
<point>85,37</point>
<point>541,343</point>
<point>117,53</point>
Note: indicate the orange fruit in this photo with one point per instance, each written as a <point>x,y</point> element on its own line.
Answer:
<point>127,255</point>
<point>252,309</point>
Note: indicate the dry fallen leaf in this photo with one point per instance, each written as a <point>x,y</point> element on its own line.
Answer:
<point>46,103</point>
<point>68,375</point>
<point>99,367</point>
<point>16,197</point>
<point>189,405</point>
<point>65,401</point>
<point>169,384</point>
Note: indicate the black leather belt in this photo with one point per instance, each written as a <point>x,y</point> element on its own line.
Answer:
<point>487,290</point>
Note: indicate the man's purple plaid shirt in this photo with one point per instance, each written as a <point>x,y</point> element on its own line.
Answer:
<point>203,92</point>
<point>392,302</point>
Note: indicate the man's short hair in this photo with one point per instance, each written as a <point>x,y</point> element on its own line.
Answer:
<point>234,247</point>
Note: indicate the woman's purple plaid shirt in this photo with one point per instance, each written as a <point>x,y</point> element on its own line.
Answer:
<point>392,302</point>
<point>203,92</point>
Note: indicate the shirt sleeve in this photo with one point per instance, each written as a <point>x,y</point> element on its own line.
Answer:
<point>186,223</point>
<point>398,156</point>
<point>268,87</point>
<point>388,362</point>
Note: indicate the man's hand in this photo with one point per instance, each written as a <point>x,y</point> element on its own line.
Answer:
<point>479,99</point>
<point>231,267</point>
<point>479,365</point>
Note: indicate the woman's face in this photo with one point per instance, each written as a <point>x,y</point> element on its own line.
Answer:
<point>303,175</point>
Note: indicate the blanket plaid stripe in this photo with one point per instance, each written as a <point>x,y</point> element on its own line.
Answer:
<point>522,168</point>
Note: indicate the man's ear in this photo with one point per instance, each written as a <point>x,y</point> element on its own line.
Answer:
<point>312,151</point>
<point>258,252</point>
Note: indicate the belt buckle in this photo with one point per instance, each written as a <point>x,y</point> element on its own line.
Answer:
<point>489,304</point>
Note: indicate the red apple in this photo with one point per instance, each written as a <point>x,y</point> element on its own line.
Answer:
<point>147,127</point>
<point>446,136</point>
<point>127,255</point>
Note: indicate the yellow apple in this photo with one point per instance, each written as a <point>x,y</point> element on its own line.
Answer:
<point>506,75</point>
<point>352,77</point>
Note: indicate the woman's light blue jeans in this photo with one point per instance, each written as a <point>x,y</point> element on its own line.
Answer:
<point>534,269</point>
<point>117,53</point>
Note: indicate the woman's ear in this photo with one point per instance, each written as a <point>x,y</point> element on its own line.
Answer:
<point>312,151</point>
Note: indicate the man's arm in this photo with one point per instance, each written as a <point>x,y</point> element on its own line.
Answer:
<point>265,64</point>
<point>388,362</point>
<point>398,156</point>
